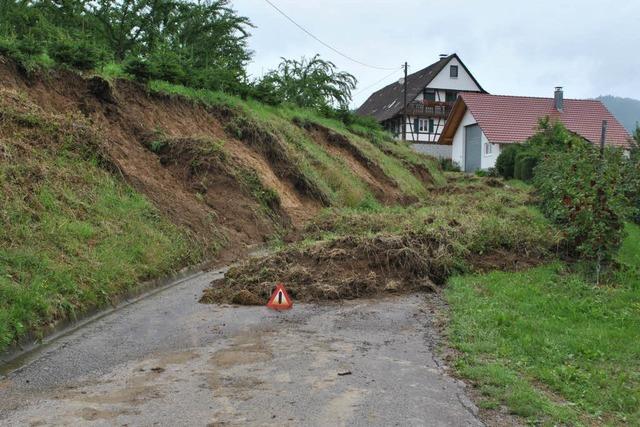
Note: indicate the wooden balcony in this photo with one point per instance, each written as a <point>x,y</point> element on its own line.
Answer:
<point>429,109</point>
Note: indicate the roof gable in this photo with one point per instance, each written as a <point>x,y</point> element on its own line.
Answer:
<point>388,101</point>
<point>464,82</point>
<point>509,119</point>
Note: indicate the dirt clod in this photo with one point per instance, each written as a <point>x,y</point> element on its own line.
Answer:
<point>245,297</point>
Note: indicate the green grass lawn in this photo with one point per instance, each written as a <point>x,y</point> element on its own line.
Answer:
<point>551,346</point>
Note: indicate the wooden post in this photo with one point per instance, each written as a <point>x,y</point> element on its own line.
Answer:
<point>603,135</point>
<point>404,110</point>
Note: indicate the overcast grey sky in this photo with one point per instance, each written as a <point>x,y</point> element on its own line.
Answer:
<point>512,47</point>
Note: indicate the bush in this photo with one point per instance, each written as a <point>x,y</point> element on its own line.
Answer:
<point>587,196</point>
<point>139,69</point>
<point>448,165</point>
<point>9,48</point>
<point>167,66</point>
<point>525,162</point>
<point>505,164</point>
<point>30,47</point>
<point>633,179</point>
<point>81,55</point>
<point>493,173</point>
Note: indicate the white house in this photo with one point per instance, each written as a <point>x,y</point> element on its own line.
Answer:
<point>481,124</point>
<point>431,93</point>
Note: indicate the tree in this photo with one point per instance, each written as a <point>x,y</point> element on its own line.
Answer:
<point>202,44</point>
<point>313,83</point>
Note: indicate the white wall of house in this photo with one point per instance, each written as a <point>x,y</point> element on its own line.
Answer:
<point>489,159</point>
<point>439,151</point>
<point>462,82</point>
<point>490,152</point>
<point>417,135</point>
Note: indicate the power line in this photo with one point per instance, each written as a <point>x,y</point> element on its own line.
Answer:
<point>375,83</point>
<point>323,43</point>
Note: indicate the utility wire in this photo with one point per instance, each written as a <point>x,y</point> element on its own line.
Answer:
<point>375,83</point>
<point>323,43</point>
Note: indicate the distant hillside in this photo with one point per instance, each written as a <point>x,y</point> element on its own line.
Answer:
<point>626,110</point>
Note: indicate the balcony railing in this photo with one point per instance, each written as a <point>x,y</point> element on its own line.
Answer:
<point>429,108</point>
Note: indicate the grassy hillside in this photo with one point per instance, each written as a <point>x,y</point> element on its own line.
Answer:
<point>325,168</point>
<point>107,184</point>
<point>73,235</point>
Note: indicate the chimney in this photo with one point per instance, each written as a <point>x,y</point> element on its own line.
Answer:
<point>558,98</point>
<point>443,55</point>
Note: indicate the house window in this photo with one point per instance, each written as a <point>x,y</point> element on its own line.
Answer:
<point>424,125</point>
<point>453,71</point>
<point>488,149</point>
<point>429,95</point>
<point>450,96</point>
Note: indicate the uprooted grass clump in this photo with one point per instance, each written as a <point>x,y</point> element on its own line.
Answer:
<point>350,253</point>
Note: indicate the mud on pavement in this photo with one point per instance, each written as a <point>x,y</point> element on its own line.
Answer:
<point>267,369</point>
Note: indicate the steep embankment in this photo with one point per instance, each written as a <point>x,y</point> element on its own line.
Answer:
<point>105,184</point>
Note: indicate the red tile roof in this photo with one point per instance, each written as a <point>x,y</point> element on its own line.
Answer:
<point>508,119</point>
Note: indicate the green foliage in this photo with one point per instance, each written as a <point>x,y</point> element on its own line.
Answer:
<point>550,346</point>
<point>587,196</point>
<point>519,160</point>
<point>8,47</point>
<point>81,55</point>
<point>505,163</point>
<point>167,65</point>
<point>203,44</point>
<point>267,197</point>
<point>633,179</point>
<point>448,165</point>
<point>313,83</point>
<point>524,163</point>
<point>139,69</point>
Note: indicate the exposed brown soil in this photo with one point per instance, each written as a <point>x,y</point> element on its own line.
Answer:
<point>208,200</point>
<point>352,267</point>
<point>346,268</point>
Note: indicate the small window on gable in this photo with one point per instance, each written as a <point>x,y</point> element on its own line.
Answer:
<point>453,71</point>
<point>488,149</point>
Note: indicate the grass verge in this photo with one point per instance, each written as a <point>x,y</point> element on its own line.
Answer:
<point>550,346</point>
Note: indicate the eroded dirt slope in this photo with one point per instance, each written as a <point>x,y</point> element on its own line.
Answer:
<point>199,171</point>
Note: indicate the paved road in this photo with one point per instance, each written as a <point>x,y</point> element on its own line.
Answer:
<point>167,360</point>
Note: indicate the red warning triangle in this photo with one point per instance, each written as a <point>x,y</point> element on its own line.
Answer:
<point>280,299</point>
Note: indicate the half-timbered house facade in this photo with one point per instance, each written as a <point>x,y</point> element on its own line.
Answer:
<point>431,93</point>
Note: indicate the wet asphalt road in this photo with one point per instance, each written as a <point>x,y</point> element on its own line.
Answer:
<point>168,360</point>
